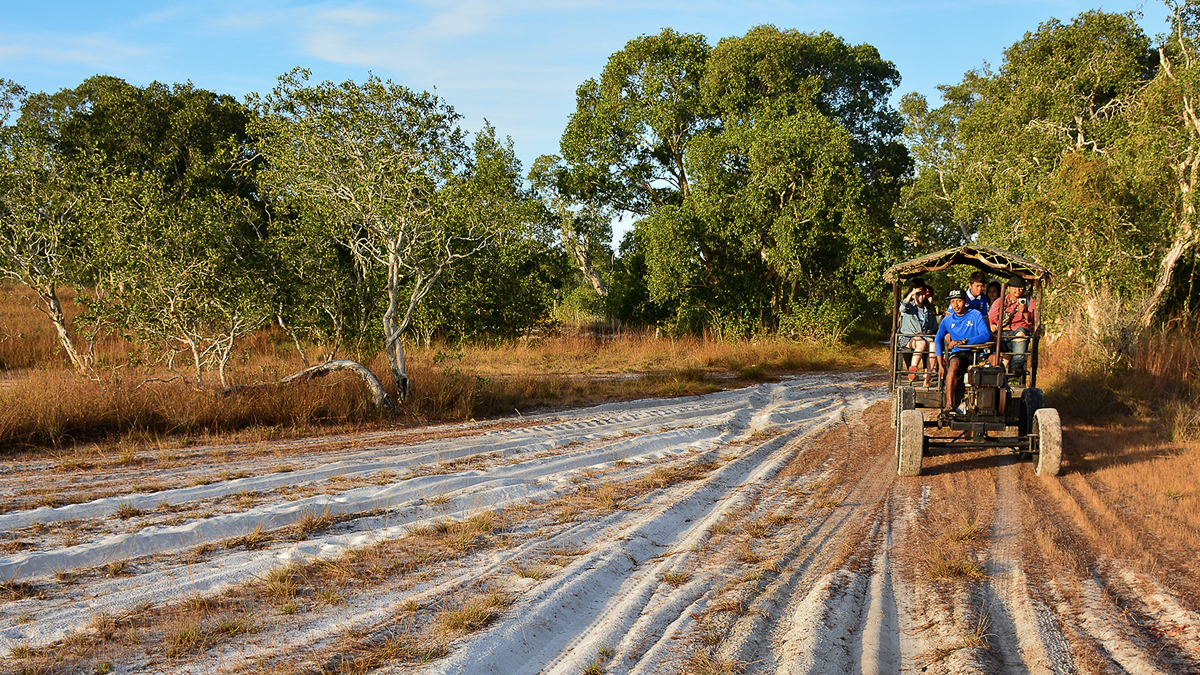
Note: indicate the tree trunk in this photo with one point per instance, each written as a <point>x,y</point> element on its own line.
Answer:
<point>197,362</point>
<point>53,310</point>
<point>391,331</point>
<point>584,263</point>
<point>295,339</point>
<point>379,395</point>
<point>1185,238</point>
<point>1188,176</point>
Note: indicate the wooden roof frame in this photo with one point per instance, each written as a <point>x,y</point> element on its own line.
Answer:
<point>996,261</point>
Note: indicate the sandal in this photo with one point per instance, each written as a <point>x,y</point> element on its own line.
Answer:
<point>912,373</point>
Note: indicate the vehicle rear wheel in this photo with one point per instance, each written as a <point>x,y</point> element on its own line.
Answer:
<point>903,398</point>
<point>1032,400</point>
<point>1048,430</point>
<point>911,444</point>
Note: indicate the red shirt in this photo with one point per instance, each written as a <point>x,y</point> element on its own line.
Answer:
<point>1018,313</point>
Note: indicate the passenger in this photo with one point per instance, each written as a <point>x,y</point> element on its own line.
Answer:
<point>976,295</point>
<point>993,292</point>
<point>962,326</point>
<point>918,317</point>
<point>1013,316</point>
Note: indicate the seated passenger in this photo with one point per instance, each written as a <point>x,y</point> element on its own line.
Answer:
<point>917,317</point>
<point>962,326</point>
<point>993,292</point>
<point>1012,315</point>
<point>976,293</point>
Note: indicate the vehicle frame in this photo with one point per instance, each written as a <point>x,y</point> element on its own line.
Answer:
<point>999,401</point>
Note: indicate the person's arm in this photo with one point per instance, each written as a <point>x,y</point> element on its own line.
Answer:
<point>937,341</point>
<point>1026,310</point>
<point>979,335</point>
<point>993,317</point>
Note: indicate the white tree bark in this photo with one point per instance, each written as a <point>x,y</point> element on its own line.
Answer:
<point>379,395</point>
<point>53,310</point>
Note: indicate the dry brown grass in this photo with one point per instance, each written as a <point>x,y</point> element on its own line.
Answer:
<point>1158,380</point>
<point>1127,495</point>
<point>44,404</point>
<point>1131,447</point>
<point>469,614</point>
<point>703,663</point>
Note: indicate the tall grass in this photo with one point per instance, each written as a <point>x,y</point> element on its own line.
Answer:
<point>44,403</point>
<point>1157,378</point>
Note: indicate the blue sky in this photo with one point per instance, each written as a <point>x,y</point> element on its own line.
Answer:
<point>515,63</point>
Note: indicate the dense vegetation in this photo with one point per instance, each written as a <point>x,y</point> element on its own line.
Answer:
<point>769,180</point>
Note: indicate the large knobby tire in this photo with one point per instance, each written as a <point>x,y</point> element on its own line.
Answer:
<point>903,398</point>
<point>912,443</point>
<point>1032,400</point>
<point>1048,429</point>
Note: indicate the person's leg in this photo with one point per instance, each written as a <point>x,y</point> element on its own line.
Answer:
<point>1019,348</point>
<point>922,349</point>
<point>907,363</point>
<point>954,367</point>
<point>919,347</point>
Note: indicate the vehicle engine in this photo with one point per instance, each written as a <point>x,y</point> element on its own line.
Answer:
<point>986,390</point>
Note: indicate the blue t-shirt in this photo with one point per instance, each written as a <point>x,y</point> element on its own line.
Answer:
<point>979,303</point>
<point>970,328</point>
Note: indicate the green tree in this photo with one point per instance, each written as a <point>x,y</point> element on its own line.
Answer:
<point>43,237</point>
<point>765,169</point>
<point>508,287</point>
<point>926,215</point>
<point>1163,150</point>
<point>169,240</point>
<point>1038,153</point>
<point>583,222</point>
<point>184,275</point>
<point>627,142</point>
<point>385,166</point>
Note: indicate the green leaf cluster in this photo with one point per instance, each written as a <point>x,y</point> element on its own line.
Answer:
<point>761,171</point>
<point>1078,151</point>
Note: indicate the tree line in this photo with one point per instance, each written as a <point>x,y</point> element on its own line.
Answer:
<point>1082,150</point>
<point>769,181</point>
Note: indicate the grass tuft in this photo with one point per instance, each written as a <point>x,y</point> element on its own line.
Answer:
<point>941,565</point>
<point>703,663</point>
<point>126,510</point>
<point>472,614</point>
<point>676,578</point>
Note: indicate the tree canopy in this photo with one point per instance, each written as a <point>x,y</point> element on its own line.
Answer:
<point>760,169</point>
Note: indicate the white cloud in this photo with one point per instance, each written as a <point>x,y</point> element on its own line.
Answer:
<point>94,51</point>
<point>466,18</point>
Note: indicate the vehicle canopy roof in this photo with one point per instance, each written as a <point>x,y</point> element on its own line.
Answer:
<point>992,260</point>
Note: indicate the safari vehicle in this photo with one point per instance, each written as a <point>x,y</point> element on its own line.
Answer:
<point>1003,409</point>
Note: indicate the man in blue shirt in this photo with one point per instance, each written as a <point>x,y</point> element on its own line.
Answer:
<point>963,326</point>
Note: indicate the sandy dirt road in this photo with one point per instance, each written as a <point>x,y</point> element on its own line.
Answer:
<point>760,530</point>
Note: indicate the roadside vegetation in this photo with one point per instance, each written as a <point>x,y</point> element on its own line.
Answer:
<point>45,404</point>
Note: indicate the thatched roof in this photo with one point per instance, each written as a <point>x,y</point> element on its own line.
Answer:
<point>992,260</point>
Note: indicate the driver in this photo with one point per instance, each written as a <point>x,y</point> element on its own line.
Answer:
<point>962,326</point>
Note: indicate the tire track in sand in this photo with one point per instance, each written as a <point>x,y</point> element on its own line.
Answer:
<point>1024,636</point>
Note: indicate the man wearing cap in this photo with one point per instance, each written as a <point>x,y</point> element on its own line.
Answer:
<point>963,326</point>
<point>1012,315</point>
